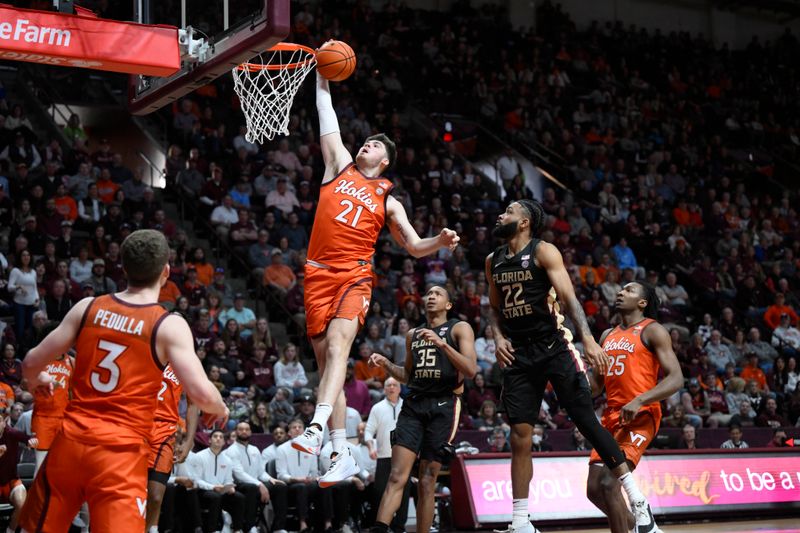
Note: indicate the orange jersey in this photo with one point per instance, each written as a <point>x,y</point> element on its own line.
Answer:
<point>169,397</point>
<point>632,369</point>
<point>350,215</point>
<point>117,373</point>
<point>55,404</point>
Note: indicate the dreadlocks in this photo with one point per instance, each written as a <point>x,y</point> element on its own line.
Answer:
<point>535,214</point>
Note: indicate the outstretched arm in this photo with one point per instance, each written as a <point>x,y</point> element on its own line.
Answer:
<point>57,342</point>
<point>550,259</point>
<point>656,336</point>
<point>404,233</point>
<point>400,373</point>
<point>334,153</point>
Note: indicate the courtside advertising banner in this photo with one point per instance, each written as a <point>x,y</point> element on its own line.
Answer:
<point>87,42</point>
<point>675,484</point>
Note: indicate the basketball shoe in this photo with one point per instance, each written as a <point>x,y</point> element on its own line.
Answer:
<point>645,522</point>
<point>310,441</point>
<point>343,466</point>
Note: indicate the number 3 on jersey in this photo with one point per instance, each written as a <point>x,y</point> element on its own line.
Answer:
<point>110,367</point>
<point>348,206</point>
<point>616,365</point>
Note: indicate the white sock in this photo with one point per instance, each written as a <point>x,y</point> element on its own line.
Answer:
<point>153,529</point>
<point>520,513</point>
<point>321,414</point>
<point>631,488</point>
<point>9,530</point>
<point>339,440</point>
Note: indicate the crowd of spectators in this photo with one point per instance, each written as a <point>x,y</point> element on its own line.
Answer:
<point>666,143</point>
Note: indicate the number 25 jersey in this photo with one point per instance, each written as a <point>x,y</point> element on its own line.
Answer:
<point>350,215</point>
<point>117,374</point>
<point>632,369</point>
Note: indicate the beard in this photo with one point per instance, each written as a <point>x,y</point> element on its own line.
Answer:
<point>505,231</point>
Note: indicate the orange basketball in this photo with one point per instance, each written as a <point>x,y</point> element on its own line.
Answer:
<point>336,61</point>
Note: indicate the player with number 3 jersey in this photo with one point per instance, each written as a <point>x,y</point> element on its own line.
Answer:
<point>354,205</point>
<point>637,350</point>
<point>101,454</point>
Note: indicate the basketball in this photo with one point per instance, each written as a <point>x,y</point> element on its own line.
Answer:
<point>336,61</point>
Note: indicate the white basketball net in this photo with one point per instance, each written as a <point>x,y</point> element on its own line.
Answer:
<point>266,88</point>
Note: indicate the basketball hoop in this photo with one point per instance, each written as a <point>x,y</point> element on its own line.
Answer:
<point>267,85</point>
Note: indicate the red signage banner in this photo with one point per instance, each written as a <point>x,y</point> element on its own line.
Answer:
<point>88,42</point>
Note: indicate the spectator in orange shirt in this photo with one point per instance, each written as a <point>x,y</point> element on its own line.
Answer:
<point>772,317</point>
<point>279,277</point>
<point>205,270</point>
<point>372,376</point>
<point>106,188</point>
<point>752,371</point>
<point>6,396</point>
<point>169,293</point>
<point>65,204</point>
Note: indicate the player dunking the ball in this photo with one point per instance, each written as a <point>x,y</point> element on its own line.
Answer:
<point>354,204</point>
<point>122,342</point>
<point>438,358</point>
<point>636,350</point>
<point>528,285</point>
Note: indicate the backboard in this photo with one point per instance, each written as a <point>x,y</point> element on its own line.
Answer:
<point>221,34</point>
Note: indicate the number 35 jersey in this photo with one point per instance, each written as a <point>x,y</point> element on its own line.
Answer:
<point>117,374</point>
<point>350,215</point>
<point>432,373</point>
<point>632,369</point>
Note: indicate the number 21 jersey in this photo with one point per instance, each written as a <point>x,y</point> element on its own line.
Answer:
<point>350,215</point>
<point>117,374</point>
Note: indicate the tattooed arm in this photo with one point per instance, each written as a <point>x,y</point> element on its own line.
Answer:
<point>400,373</point>
<point>403,232</point>
<point>549,258</point>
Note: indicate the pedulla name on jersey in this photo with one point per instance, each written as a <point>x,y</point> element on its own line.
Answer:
<point>117,322</point>
<point>362,194</point>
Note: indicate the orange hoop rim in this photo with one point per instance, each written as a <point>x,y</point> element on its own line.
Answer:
<point>281,47</point>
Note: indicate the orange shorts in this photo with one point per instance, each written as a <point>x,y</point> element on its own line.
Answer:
<point>45,428</point>
<point>162,447</point>
<point>633,438</point>
<point>111,479</point>
<point>7,489</point>
<point>336,293</point>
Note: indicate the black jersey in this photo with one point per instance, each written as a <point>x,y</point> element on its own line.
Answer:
<point>528,305</point>
<point>432,373</point>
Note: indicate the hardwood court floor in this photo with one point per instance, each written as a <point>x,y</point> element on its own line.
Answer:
<point>787,525</point>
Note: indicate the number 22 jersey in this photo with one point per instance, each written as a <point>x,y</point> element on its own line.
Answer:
<point>117,373</point>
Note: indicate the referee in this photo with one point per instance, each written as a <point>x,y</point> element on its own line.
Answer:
<point>380,424</point>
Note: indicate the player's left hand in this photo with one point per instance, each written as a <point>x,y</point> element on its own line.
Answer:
<point>630,410</point>
<point>431,337</point>
<point>596,356</point>
<point>448,239</point>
